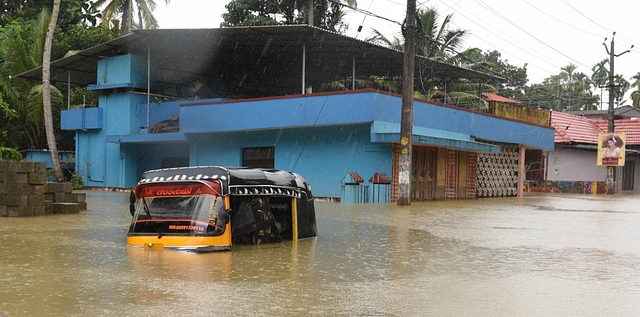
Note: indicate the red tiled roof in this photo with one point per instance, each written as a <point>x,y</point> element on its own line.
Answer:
<point>571,128</point>
<point>493,97</point>
<point>630,127</point>
<point>579,129</point>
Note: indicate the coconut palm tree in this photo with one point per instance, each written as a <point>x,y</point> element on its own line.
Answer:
<point>635,95</point>
<point>621,88</point>
<point>438,41</point>
<point>22,47</point>
<point>600,75</point>
<point>46,92</point>
<point>127,9</point>
<point>435,40</point>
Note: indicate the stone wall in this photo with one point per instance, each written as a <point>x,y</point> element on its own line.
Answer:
<point>24,192</point>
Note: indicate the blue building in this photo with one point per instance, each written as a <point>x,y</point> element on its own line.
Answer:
<point>243,97</point>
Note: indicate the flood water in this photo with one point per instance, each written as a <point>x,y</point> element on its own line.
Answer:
<point>535,256</point>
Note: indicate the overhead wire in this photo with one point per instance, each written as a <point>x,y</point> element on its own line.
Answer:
<point>521,46</point>
<point>524,86</point>
<point>526,32</point>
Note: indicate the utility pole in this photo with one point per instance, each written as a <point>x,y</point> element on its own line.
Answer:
<point>406,121</point>
<point>612,97</point>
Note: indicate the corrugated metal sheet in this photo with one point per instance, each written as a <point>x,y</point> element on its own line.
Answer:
<point>245,59</point>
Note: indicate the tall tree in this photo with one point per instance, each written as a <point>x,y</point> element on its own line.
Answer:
<point>143,9</point>
<point>600,76</point>
<point>438,40</point>
<point>325,14</point>
<point>72,12</point>
<point>491,62</point>
<point>621,88</point>
<point>571,90</point>
<point>46,92</point>
<point>635,95</point>
<point>21,48</point>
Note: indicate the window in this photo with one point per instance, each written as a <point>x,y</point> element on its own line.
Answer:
<point>628,172</point>
<point>258,157</point>
<point>169,162</point>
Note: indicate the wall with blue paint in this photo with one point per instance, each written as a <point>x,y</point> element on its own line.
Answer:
<point>45,156</point>
<point>90,159</point>
<point>322,136</point>
<point>125,69</point>
<point>149,156</point>
<point>358,107</point>
<point>112,164</point>
<point>165,110</point>
<point>322,155</point>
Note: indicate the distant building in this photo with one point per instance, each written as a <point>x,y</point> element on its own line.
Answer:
<point>623,112</point>
<point>572,163</point>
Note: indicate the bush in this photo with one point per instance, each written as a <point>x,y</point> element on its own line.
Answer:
<point>9,154</point>
<point>77,182</point>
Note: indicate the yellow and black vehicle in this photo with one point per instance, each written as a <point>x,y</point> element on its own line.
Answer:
<point>211,208</point>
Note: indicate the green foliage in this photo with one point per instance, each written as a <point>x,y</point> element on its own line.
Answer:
<point>250,13</point>
<point>635,95</point>
<point>437,40</point>
<point>9,154</point>
<point>79,37</point>
<point>327,14</point>
<point>127,10</point>
<point>72,12</point>
<point>6,109</point>
<point>568,90</point>
<point>77,182</point>
<point>21,48</point>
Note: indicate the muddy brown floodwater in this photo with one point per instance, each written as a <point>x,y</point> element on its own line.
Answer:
<point>547,255</point>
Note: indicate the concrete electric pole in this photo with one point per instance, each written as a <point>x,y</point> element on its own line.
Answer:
<point>612,97</point>
<point>406,121</point>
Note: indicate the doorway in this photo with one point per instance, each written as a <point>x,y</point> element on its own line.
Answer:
<point>423,173</point>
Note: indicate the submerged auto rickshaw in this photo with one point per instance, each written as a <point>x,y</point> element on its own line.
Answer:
<point>211,208</point>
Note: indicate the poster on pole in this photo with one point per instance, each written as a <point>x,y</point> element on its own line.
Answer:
<point>611,148</point>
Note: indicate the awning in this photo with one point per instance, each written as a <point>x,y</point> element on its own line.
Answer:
<point>594,148</point>
<point>146,138</point>
<point>385,132</point>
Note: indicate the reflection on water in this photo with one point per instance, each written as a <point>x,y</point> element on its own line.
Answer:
<point>546,255</point>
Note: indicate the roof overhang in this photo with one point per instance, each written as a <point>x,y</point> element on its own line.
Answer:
<point>387,132</point>
<point>594,148</point>
<point>148,138</point>
<point>264,59</point>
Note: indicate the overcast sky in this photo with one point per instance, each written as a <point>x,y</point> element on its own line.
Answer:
<point>545,34</point>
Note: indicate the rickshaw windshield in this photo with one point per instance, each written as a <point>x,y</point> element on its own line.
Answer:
<point>178,211</point>
<point>200,207</point>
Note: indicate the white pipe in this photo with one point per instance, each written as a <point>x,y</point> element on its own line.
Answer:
<point>148,86</point>
<point>68,89</point>
<point>304,66</point>
<point>353,74</point>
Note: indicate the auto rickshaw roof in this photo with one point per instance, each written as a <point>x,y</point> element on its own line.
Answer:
<point>235,180</point>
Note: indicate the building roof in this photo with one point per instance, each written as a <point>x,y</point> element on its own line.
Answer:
<point>574,129</point>
<point>579,129</point>
<point>255,61</point>
<point>630,127</point>
<point>619,112</point>
<point>493,97</point>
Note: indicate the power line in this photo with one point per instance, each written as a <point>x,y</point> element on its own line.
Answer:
<point>538,86</point>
